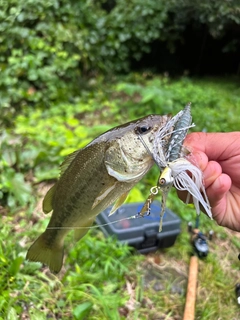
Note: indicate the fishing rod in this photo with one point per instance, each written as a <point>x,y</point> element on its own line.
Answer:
<point>200,250</point>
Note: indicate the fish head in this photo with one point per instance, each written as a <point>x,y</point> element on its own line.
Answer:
<point>129,154</point>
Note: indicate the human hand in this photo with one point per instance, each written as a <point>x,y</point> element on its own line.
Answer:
<point>218,156</point>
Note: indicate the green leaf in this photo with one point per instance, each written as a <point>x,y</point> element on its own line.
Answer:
<point>82,310</point>
<point>15,266</point>
<point>20,189</point>
<point>36,315</point>
<point>12,314</point>
<point>9,155</point>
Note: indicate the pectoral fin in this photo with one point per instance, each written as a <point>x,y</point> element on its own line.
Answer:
<point>47,201</point>
<point>83,229</point>
<point>118,203</point>
<point>103,194</point>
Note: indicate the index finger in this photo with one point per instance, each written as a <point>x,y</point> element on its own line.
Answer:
<point>217,145</point>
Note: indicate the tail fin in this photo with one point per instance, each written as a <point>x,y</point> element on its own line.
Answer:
<point>49,255</point>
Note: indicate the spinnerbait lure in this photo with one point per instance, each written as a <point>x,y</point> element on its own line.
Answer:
<point>174,167</point>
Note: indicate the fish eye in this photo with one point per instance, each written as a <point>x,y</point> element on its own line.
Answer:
<point>142,129</point>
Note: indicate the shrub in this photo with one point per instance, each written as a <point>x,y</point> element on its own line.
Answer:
<point>48,46</point>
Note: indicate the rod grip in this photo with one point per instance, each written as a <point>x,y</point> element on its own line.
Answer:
<point>189,310</point>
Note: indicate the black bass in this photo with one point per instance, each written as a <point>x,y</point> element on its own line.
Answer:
<point>93,178</point>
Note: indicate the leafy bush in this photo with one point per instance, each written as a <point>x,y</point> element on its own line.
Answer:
<point>47,47</point>
<point>161,95</point>
<point>217,15</point>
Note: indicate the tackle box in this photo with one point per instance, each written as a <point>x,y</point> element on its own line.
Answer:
<point>142,233</point>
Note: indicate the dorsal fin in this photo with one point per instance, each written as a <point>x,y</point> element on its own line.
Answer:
<point>47,201</point>
<point>68,160</point>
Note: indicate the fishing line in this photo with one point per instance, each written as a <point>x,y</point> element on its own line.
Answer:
<point>145,145</point>
<point>136,216</point>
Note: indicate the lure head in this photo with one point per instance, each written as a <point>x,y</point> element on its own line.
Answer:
<point>166,178</point>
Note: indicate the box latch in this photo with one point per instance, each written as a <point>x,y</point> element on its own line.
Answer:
<point>150,239</point>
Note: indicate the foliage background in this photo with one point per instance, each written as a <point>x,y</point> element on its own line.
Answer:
<point>49,47</point>
<point>67,76</point>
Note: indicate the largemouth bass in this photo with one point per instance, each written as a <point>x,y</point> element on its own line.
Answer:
<point>91,179</point>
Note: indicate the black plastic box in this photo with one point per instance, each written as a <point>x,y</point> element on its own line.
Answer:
<point>141,233</point>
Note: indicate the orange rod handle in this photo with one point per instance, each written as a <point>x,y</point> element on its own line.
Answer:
<point>189,310</point>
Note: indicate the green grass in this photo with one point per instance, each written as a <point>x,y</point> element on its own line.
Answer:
<point>102,279</point>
